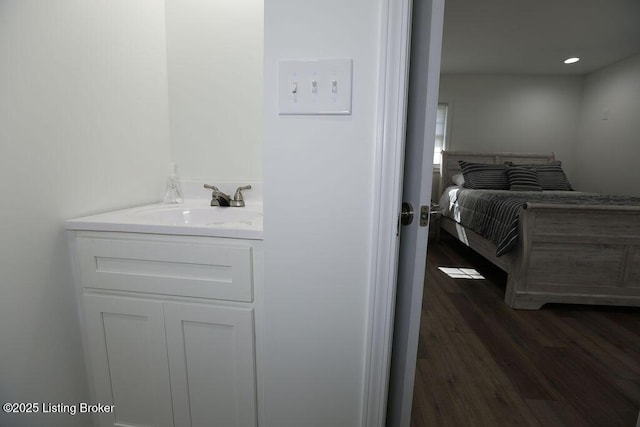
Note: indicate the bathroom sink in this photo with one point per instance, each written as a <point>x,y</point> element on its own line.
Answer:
<point>193,218</point>
<point>202,216</point>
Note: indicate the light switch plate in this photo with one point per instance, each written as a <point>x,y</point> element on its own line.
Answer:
<point>315,86</point>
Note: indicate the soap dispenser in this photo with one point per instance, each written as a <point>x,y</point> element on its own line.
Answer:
<point>173,193</point>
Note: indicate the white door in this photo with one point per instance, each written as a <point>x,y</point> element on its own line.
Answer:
<point>128,358</point>
<point>426,41</point>
<point>212,364</point>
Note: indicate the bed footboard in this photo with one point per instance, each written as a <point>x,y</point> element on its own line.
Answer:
<point>576,254</point>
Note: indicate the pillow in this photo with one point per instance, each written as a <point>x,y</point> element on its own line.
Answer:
<point>523,179</point>
<point>484,176</point>
<point>550,175</point>
<point>458,179</point>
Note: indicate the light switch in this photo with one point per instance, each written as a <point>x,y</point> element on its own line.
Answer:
<point>315,86</point>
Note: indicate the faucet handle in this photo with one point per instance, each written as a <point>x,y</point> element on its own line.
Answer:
<point>215,201</point>
<point>238,200</point>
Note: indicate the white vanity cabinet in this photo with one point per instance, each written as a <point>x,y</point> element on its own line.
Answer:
<point>169,327</point>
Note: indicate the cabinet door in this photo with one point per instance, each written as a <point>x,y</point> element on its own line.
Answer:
<point>212,365</point>
<point>128,358</point>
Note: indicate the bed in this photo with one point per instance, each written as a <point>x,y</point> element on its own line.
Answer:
<point>564,252</point>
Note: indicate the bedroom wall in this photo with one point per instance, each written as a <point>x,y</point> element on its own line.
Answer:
<point>609,136</point>
<point>513,113</point>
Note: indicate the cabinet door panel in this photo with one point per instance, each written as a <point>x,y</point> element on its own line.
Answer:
<point>212,367</point>
<point>127,347</point>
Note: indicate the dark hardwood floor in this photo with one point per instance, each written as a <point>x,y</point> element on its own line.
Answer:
<point>481,363</point>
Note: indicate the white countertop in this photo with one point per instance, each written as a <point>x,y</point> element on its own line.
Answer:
<point>194,217</point>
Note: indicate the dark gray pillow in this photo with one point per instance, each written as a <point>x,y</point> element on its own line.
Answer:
<point>550,176</point>
<point>483,176</point>
<point>523,179</point>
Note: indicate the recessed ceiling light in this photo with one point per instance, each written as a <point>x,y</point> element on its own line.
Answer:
<point>571,60</point>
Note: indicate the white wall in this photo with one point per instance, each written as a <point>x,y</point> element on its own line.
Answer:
<point>318,176</point>
<point>83,128</point>
<point>513,113</point>
<point>608,150</point>
<point>214,56</point>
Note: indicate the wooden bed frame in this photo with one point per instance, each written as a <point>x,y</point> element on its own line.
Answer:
<point>575,254</point>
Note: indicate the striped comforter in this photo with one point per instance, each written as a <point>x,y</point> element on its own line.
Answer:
<point>494,214</point>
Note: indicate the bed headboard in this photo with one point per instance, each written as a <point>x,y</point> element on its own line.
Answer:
<point>450,165</point>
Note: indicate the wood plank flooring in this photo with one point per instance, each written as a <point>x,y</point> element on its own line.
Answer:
<point>481,363</point>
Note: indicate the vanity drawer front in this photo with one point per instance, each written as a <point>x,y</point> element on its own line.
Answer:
<point>184,267</point>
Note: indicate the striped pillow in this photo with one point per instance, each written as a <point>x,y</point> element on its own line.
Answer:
<point>550,176</point>
<point>483,176</point>
<point>523,179</point>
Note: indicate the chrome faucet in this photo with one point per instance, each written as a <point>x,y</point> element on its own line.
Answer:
<point>218,198</point>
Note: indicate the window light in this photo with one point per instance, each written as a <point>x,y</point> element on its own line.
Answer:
<point>461,273</point>
<point>441,132</point>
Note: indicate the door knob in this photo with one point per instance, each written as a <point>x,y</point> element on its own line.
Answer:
<point>406,214</point>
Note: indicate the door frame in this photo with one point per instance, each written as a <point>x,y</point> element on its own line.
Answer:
<point>389,160</point>
<point>395,46</point>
